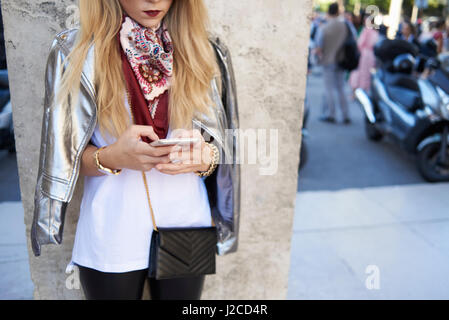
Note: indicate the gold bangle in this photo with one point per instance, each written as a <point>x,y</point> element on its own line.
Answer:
<point>102,168</point>
<point>213,165</point>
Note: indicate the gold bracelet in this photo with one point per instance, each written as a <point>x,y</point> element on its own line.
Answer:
<point>104,169</point>
<point>213,165</point>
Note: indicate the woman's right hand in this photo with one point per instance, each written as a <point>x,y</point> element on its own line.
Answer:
<point>129,151</point>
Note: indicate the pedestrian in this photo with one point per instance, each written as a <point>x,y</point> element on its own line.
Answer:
<point>408,33</point>
<point>361,77</point>
<point>315,27</point>
<point>438,34</point>
<point>359,22</point>
<point>382,32</point>
<point>350,18</point>
<point>149,71</point>
<point>331,38</point>
<point>446,39</point>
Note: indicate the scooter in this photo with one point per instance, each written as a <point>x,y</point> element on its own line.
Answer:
<point>410,109</point>
<point>6,124</point>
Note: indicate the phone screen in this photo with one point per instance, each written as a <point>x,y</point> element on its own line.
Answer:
<point>175,141</point>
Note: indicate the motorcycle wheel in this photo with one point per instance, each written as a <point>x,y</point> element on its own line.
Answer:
<point>428,166</point>
<point>372,133</point>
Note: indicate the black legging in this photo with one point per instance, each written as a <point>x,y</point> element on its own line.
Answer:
<point>99,285</point>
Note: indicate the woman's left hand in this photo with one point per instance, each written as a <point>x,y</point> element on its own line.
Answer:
<point>189,158</point>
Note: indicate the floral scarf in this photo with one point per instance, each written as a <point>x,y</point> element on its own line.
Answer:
<point>149,54</point>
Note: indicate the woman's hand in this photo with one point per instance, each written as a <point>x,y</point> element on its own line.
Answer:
<point>190,158</point>
<point>129,151</point>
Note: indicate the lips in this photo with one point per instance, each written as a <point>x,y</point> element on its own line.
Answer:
<point>153,13</point>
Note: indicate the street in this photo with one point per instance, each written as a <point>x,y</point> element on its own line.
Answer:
<point>340,156</point>
<point>367,226</point>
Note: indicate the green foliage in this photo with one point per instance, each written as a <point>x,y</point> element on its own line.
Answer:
<point>435,6</point>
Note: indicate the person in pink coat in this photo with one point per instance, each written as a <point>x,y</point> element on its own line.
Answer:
<point>361,78</point>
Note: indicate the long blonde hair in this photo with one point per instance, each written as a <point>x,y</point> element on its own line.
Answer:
<point>194,62</point>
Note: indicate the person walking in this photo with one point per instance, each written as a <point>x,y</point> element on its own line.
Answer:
<point>138,71</point>
<point>361,77</point>
<point>331,38</point>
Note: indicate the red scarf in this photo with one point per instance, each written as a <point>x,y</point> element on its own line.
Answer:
<point>140,105</point>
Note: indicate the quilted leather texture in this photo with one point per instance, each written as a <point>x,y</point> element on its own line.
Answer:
<point>182,252</point>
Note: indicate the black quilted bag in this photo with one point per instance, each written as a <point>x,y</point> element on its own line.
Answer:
<point>181,252</point>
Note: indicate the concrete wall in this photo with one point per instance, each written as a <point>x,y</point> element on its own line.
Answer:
<point>268,40</point>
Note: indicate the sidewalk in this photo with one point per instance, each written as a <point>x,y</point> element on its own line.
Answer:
<point>401,230</point>
<point>15,279</point>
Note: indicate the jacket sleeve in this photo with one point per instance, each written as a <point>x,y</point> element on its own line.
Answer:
<point>225,181</point>
<point>48,214</point>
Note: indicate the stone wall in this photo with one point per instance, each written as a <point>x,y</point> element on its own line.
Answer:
<point>269,41</point>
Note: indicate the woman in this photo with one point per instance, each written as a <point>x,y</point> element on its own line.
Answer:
<point>408,33</point>
<point>361,77</point>
<point>146,70</point>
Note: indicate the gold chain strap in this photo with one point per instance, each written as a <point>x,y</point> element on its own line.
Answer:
<point>149,202</point>
<point>145,177</point>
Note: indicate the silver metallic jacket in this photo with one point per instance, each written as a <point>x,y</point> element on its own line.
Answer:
<point>67,131</point>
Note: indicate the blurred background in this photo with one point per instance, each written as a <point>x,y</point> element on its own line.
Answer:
<point>372,210</point>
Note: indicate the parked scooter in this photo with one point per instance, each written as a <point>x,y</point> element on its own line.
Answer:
<point>412,110</point>
<point>6,124</point>
<point>438,71</point>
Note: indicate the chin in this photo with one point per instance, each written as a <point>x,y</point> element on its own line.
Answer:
<point>149,23</point>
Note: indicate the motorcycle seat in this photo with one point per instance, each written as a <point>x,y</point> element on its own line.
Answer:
<point>406,98</point>
<point>403,89</point>
<point>401,80</point>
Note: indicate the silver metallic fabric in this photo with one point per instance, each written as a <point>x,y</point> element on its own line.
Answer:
<point>67,131</point>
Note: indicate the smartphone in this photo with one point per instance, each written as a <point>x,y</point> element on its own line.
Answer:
<point>174,141</point>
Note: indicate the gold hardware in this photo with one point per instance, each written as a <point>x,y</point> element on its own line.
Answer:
<point>213,165</point>
<point>101,167</point>
<point>149,202</point>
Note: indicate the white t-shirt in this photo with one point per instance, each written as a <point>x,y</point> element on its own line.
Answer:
<point>115,226</point>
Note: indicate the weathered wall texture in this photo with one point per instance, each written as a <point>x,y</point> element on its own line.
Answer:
<point>268,40</point>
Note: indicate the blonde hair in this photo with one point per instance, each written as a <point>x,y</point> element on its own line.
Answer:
<point>194,63</point>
